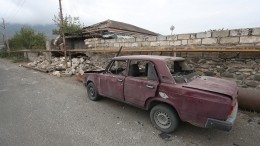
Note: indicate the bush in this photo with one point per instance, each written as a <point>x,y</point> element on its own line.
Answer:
<point>27,38</point>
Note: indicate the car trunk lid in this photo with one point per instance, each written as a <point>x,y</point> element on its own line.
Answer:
<point>215,85</point>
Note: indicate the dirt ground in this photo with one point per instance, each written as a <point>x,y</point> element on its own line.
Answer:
<point>41,109</point>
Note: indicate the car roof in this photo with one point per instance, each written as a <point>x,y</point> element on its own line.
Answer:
<point>148,57</point>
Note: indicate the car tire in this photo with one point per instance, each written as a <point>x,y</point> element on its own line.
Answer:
<point>92,92</point>
<point>164,118</point>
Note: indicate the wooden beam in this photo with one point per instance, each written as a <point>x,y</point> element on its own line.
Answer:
<point>163,49</point>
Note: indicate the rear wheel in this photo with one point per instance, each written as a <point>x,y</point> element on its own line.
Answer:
<point>92,92</point>
<point>164,118</point>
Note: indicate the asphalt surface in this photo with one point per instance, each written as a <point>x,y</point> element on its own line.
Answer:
<point>40,109</point>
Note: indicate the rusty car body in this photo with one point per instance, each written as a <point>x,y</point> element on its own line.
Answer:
<point>169,88</point>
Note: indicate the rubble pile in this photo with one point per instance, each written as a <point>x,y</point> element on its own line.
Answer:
<point>75,66</point>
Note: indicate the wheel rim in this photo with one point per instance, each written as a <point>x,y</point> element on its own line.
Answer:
<point>162,119</point>
<point>91,91</point>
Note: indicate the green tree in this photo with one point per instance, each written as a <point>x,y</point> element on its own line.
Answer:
<point>27,38</point>
<point>71,24</point>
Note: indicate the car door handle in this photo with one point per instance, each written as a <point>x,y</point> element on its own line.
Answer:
<point>150,86</point>
<point>119,80</point>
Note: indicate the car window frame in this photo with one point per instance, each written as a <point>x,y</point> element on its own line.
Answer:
<point>111,63</point>
<point>154,67</point>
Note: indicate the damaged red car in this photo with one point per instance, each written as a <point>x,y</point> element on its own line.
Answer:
<point>169,89</point>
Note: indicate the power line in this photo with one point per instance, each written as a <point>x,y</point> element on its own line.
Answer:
<point>20,5</point>
<point>75,10</point>
<point>7,11</point>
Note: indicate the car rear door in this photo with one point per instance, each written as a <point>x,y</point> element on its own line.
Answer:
<point>142,84</point>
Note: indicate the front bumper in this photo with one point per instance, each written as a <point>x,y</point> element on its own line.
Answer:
<point>223,125</point>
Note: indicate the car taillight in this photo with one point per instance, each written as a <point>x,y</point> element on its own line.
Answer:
<point>232,107</point>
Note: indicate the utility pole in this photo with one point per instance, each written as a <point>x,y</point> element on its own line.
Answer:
<point>5,39</point>
<point>62,33</point>
<point>172,28</point>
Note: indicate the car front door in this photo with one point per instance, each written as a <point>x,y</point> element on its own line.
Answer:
<point>141,82</point>
<point>112,81</point>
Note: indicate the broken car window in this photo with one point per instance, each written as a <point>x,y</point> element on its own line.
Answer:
<point>118,67</point>
<point>181,71</point>
<point>143,70</point>
<point>178,66</point>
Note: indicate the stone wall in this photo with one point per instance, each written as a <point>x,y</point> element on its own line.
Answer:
<point>245,72</point>
<point>235,37</point>
<point>213,38</point>
<point>32,56</point>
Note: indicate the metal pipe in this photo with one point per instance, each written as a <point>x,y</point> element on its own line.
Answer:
<point>164,49</point>
<point>119,51</point>
<point>249,99</point>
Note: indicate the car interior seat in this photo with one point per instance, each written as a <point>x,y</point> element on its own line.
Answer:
<point>134,70</point>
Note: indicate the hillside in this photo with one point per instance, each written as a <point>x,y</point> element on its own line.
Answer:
<point>13,28</point>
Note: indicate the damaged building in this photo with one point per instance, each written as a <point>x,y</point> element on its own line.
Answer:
<point>105,30</point>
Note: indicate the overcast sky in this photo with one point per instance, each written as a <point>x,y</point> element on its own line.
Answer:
<point>156,15</point>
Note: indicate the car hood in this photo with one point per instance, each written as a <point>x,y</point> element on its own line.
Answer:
<point>215,85</point>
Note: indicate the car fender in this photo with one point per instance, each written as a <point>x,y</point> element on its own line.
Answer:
<point>91,78</point>
<point>159,99</point>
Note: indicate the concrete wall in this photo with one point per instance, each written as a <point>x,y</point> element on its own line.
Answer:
<point>235,37</point>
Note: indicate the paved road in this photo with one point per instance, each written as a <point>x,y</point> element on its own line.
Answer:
<point>40,109</point>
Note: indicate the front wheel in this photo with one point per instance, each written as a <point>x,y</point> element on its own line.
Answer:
<point>164,118</point>
<point>92,92</point>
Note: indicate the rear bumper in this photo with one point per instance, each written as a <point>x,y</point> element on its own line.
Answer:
<point>223,125</point>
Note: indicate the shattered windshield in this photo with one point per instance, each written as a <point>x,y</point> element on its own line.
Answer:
<point>181,71</point>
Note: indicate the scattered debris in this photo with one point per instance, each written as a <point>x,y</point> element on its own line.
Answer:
<point>165,136</point>
<point>139,123</point>
<point>56,73</point>
<point>79,77</point>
